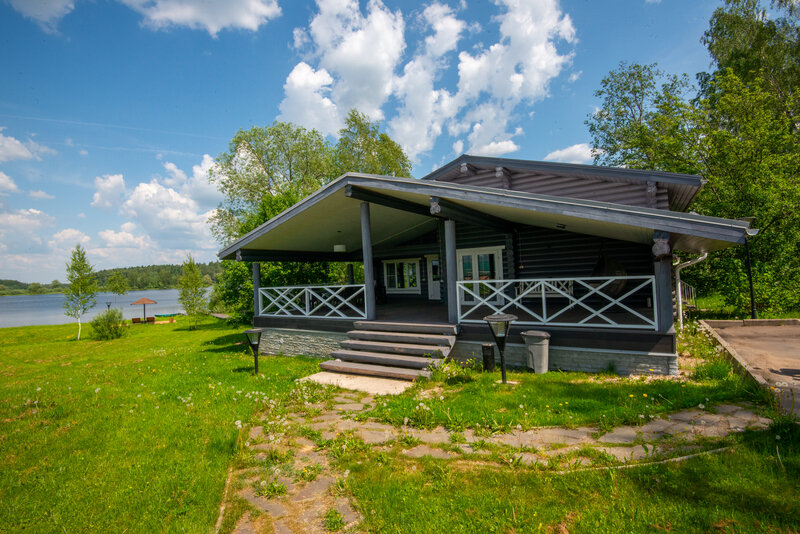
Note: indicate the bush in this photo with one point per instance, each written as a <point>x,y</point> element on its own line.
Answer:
<point>108,325</point>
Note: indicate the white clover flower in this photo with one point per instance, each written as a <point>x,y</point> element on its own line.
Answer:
<point>701,406</point>
<point>98,389</point>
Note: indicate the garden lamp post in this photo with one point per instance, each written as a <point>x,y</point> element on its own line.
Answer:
<point>254,338</point>
<point>751,232</point>
<point>108,305</point>
<point>499,323</point>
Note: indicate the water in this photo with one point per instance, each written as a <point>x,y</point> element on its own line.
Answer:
<point>26,310</point>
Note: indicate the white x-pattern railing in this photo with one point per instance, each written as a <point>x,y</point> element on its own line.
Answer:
<point>333,302</point>
<point>587,302</point>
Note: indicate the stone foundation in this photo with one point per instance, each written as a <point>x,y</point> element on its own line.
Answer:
<point>291,342</point>
<point>623,362</point>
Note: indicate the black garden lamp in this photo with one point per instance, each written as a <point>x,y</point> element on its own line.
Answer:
<point>254,338</point>
<point>500,323</point>
<point>108,305</point>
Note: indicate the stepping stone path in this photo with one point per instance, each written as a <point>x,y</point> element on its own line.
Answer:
<point>302,508</point>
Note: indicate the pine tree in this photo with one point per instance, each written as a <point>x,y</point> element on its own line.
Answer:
<point>193,291</point>
<point>82,286</point>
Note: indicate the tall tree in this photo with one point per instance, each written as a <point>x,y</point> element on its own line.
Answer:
<point>117,284</point>
<point>645,120</point>
<point>192,294</point>
<point>262,162</point>
<point>362,147</point>
<point>82,286</point>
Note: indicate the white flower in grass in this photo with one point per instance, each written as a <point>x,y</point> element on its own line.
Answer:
<point>701,406</point>
<point>38,389</point>
<point>97,390</point>
<point>238,423</point>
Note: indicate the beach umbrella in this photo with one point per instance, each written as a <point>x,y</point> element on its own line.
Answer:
<point>144,301</point>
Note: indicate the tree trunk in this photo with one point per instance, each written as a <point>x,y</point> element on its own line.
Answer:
<point>79,326</point>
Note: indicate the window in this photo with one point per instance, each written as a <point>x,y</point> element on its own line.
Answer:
<point>401,276</point>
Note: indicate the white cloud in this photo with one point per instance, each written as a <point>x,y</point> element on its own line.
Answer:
<point>458,147</point>
<point>81,215</point>
<point>171,219</point>
<point>357,57</point>
<point>307,101</point>
<point>210,15</point>
<point>575,76</point>
<point>68,238</point>
<point>425,109</point>
<point>353,59</point>
<point>197,186</point>
<point>14,149</point>
<point>46,12</point>
<point>124,239</point>
<point>7,185</point>
<point>110,189</point>
<point>580,153</point>
<point>83,152</point>
<point>40,195</point>
<point>20,230</point>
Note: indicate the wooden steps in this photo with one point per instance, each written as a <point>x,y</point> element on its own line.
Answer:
<point>403,351</point>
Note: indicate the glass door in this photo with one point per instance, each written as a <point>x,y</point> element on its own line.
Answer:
<point>479,264</point>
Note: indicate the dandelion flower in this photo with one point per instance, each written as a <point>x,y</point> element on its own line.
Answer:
<point>644,394</point>
<point>631,395</point>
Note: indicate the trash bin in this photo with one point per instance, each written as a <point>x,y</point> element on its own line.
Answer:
<point>487,350</point>
<point>538,344</point>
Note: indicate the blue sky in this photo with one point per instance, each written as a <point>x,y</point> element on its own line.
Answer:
<point>111,112</point>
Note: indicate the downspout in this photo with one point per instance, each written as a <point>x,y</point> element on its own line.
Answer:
<point>678,288</point>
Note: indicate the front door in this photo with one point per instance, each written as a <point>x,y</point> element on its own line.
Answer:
<point>479,264</point>
<point>434,278</point>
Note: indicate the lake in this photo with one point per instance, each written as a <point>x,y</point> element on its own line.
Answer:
<point>26,310</point>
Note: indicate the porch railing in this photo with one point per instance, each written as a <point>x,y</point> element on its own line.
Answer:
<point>332,302</point>
<point>688,295</point>
<point>597,301</point>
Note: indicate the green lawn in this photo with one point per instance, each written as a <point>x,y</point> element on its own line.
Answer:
<point>746,489</point>
<point>459,398</point>
<point>133,435</point>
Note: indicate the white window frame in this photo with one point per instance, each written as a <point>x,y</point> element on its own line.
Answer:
<point>406,290</point>
<point>496,250</point>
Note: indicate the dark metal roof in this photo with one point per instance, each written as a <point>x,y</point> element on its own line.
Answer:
<point>328,216</point>
<point>682,188</point>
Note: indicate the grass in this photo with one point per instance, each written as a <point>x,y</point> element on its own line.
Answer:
<point>134,434</point>
<point>746,489</point>
<point>462,397</point>
<point>714,307</point>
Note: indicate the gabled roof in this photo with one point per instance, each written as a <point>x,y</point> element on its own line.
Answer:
<point>329,216</point>
<point>682,188</point>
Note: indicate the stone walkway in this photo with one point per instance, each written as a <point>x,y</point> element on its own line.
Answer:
<point>302,472</point>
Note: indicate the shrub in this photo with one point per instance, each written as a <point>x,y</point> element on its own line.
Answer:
<point>108,325</point>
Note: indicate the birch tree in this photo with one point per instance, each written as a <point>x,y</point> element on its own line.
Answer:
<point>81,290</point>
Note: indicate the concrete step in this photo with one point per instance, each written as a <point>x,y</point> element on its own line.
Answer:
<point>410,328</point>
<point>401,337</point>
<point>351,368</point>
<point>432,351</point>
<point>381,358</point>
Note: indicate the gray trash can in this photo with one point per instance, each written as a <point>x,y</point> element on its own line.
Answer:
<point>538,345</point>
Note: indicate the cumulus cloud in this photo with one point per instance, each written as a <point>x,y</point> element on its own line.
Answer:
<point>40,195</point>
<point>68,238</point>
<point>580,153</point>
<point>13,149</point>
<point>7,185</point>
<point>354,59</point>
<point>357,55</point>
<point>307,100</point>
<point>171,219</point>
<point>209,15</point>
<point>46,13</point>
<point>21,230</point>
<point>124,239</point>
<point>198,187</point>
<point>110,189</point>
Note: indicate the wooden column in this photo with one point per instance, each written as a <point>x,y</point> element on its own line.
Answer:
<point>256,288</point>
<point>452,270</point>
<point>369,273</point>
<point>351,279</point>
<point>662,269</point>
<point>442,262</point>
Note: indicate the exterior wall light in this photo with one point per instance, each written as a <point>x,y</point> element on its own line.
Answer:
<point>500,323</point>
